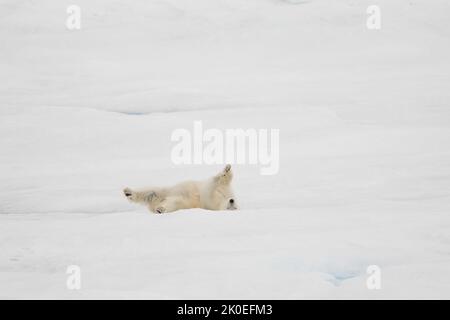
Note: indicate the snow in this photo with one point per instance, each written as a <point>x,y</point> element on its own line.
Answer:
<point>364,125</point>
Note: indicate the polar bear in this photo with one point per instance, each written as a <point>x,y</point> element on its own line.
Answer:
<point>213,194</point>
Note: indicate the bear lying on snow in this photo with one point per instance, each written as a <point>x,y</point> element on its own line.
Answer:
<point>212,194</point>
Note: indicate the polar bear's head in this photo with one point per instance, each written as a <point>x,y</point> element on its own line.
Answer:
<point>231,204</point>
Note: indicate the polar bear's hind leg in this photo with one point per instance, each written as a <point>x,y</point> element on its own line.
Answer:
<point>170,204</point>
<point>145,196</point>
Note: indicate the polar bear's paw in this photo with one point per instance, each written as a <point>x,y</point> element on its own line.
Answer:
<point>160,210</point>
<point>129,194</point>
<point>225,176</point>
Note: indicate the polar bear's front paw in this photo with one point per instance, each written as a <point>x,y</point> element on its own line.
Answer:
<point>160,210</point>
<point>225,176</point>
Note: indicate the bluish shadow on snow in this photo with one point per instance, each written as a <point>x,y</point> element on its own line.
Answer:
<point>333,272</point>
<point>296,1</point>
<point>340,276</point>
<point>131,113</point>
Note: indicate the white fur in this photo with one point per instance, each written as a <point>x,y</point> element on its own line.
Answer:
<point>212,194</point>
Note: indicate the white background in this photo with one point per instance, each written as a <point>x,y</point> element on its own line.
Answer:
<point>364,121</point>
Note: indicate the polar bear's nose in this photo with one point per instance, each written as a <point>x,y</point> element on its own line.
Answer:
<point>231,201</point>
